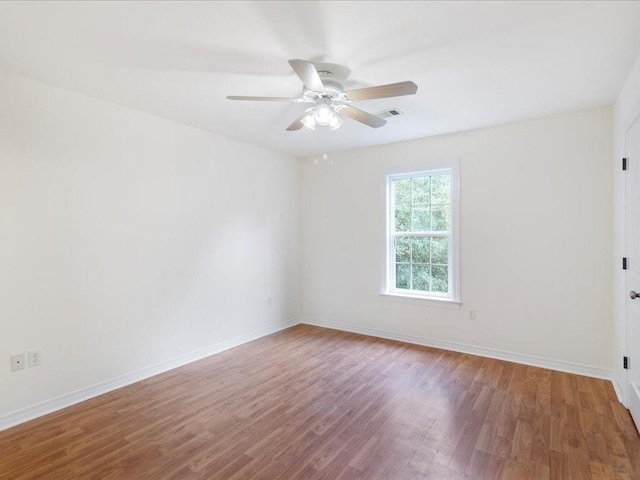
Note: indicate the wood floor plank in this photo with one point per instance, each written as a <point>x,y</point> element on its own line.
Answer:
<point>318,404</point>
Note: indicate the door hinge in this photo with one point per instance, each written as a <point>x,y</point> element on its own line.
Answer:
<point>624,164</point>
<point>624,263</point>
<point>625,363</point>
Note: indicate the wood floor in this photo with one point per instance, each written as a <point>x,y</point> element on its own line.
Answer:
<point>312,403</point>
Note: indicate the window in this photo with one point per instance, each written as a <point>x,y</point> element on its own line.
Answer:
<point>422,235</point>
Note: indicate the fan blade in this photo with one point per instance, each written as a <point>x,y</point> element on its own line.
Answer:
<point>297,123</point>
<point>382,91</point>
<point>308,74</point>
<point>362,116</point>
<point>262,99</point>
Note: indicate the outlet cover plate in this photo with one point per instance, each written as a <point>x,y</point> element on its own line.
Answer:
<point>35,358</point>
<point>17,362</point>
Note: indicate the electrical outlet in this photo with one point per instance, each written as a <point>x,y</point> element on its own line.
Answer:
<point>472,314</point>
<point>17,362</point>
<point>35,358</point>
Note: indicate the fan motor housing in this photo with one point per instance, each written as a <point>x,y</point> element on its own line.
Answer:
<point>332,75</point>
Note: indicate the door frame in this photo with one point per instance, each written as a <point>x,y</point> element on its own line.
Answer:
<point>632,119</point>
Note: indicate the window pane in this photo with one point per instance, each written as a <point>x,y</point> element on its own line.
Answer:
<point>403,275</point>
<point>439,279</point>
<point>421,219</point>
<point>403,249</point>
<point>440,219</point>
<point>402,191</point>
<point>420,189</point>
<point>439,250</point>
<point>421,223</point>
<point>421,277</point>
<point>420,250</point>
<point>440,189</point>
<point>403,219</point>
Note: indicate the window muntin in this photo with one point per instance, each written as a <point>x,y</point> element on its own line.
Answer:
<point>420,234</point>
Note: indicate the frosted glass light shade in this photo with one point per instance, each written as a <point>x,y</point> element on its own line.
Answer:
<point>324,114</point>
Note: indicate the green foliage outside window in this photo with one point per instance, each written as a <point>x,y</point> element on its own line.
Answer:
<point>421,224</point>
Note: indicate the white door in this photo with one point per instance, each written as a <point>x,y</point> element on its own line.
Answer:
<point>632,153</point>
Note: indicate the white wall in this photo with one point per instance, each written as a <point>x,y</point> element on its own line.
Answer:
<point>536,238</point>
<point>127,240</point>
<point>626,109</point>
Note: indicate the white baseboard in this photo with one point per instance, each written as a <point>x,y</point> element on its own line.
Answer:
<point>618,386</point>
<point>54,404</point>
<point>559,365</point>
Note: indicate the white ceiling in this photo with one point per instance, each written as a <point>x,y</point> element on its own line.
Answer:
<point>475,63</point>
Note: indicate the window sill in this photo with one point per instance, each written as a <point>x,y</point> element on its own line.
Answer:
<point>425,301</point>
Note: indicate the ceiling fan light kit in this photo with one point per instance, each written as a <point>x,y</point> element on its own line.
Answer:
<point>323,87</point>
<point>323,114</point>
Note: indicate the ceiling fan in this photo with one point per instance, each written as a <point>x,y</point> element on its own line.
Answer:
<point>323,89</point>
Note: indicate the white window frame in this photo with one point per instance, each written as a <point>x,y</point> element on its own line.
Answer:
<point>452,298</point>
